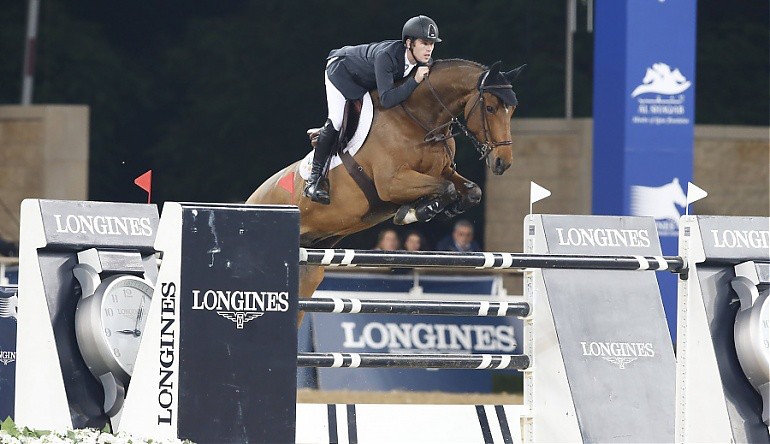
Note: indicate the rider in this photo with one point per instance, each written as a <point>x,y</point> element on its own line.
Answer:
<point>352,71</point>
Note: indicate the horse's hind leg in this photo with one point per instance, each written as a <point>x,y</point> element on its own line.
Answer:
<point>310,277</point>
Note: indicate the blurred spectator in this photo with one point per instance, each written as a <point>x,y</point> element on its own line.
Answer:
<point>8,248</point>
<point>461,238</point>
<point>388,240</point>
<point>415,241</point>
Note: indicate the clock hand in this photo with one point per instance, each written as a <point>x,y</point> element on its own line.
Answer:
<point>139,314</point>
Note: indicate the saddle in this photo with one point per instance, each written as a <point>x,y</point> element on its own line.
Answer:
<point>350,120</point>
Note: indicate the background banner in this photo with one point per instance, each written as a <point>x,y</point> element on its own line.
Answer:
<point>644,112</point>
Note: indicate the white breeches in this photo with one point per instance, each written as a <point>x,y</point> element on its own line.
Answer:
<point>335,101</point>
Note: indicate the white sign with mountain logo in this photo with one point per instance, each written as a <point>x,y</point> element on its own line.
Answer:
<point>660,97</point>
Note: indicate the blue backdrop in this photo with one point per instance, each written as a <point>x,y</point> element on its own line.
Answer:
<point>644,109</point>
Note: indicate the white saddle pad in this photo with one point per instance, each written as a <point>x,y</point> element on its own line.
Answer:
<point>358,139</point>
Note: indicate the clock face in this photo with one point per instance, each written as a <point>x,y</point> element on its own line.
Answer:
<point>124,309</point>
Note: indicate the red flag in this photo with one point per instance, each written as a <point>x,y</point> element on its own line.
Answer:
<point>145,182</point>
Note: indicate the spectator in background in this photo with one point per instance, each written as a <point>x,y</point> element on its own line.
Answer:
<point>8,248</point>
<point>415,241</point>
<point>461,238</point>
<point>388,240</point>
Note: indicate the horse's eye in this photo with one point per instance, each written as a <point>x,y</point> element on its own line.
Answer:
<point>490,109</point>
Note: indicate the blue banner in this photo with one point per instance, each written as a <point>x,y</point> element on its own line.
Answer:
<point>357,333</point>
<point>644,113</point>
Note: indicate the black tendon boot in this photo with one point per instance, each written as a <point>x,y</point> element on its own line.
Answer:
<point>317,185</point>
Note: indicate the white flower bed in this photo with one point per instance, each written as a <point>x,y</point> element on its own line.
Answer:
<point>9,434</point>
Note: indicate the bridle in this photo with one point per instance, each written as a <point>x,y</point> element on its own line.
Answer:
<point>455,126</point>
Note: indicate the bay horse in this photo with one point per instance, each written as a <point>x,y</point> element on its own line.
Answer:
<point>409,157</point>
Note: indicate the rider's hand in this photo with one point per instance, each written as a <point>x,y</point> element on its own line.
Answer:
<point>421,74</point>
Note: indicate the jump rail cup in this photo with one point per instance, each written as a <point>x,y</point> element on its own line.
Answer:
<point>483,260</point>
<point>394,360</point>
<point>438,308</point>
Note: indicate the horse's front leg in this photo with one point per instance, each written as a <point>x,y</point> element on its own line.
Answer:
<point>310,277</point>
<point>421,196</point>
<point>470,195</point>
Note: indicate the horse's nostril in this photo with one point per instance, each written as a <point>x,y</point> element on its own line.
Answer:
<point>498,162</point>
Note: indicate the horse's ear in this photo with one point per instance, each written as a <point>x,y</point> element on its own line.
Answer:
<point>512,74</point>
<point>495,68</point>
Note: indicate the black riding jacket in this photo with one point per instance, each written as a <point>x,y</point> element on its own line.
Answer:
<point>362,68</point>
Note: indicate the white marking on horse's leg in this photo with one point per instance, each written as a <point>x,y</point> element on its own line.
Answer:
<point>411,217</point>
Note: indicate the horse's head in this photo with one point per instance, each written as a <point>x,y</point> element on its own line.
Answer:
<point>489,117</point>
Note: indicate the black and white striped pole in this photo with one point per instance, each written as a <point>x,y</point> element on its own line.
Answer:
<point>483,260</point>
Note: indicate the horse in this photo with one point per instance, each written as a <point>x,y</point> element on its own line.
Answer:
<point>660,202</point>
<point>408,158</point>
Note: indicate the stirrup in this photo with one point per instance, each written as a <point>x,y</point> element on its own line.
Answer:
<point>318,191</point>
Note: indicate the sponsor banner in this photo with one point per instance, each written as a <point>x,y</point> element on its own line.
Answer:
<point>600,235</point>
<point>644,112</point>
<point>610,351</point>
<point>356,333</point>
<point>735,238</point>
<point>9,302</point>
<point>99,224</point>
<point>238,287</point>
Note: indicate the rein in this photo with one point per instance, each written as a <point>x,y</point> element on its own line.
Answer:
<point>455,126</point>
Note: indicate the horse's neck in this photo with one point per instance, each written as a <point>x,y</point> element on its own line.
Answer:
<point>452,85</point>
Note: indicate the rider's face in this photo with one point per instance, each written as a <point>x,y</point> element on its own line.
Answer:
<point>422,50</point>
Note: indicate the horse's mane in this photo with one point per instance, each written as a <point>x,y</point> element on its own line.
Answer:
<point>451,63</point>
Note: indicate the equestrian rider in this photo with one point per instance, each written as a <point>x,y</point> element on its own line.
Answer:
<point>352,71</point>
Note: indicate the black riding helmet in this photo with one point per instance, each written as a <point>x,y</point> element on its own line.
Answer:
<point>420,27</point>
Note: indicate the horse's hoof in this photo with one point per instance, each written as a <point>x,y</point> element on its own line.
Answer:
<point>405,215</point>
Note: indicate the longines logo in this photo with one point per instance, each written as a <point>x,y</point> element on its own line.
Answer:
<point>240,306</point>
<point>603,237</point>
<point>89,224</point>
<point>6,357</point>
<point>167,354</point>
<point>423,337</point>
<point>741,239</point>
<point>618,353</point>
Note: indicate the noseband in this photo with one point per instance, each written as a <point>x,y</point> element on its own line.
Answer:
<point>456,126</point>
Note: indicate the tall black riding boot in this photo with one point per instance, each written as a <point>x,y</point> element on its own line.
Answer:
<point>317,185</point>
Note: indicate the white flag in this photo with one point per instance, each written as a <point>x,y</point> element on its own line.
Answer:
<point>694,193</point>
<point>536,193</point>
